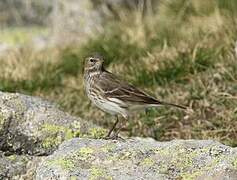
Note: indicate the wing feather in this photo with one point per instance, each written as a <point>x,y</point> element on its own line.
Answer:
<point>113,87</point>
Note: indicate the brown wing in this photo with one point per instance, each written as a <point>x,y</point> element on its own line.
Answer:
<point>113,87</point>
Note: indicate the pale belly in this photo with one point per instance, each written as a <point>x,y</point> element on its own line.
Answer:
<point>110,106</point>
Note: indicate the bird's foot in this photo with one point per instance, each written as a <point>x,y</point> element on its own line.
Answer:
<point>114,137</point>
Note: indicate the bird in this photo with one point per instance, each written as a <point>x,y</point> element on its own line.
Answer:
<point>114,95</point>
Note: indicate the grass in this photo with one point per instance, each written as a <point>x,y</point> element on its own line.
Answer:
<point>182,53</point>
<point>20,35</point>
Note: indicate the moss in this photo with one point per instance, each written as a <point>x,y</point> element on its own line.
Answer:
<point>96,132</point>
<point>97,173</point>
<point>56,134</point>
<point>64,163</point>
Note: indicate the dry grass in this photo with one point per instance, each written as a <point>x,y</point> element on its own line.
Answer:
<point>183,53</point>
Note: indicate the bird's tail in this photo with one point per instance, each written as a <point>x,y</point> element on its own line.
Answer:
<point>171,104</point>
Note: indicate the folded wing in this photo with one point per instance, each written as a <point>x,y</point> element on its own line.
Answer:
<point>113,87</point>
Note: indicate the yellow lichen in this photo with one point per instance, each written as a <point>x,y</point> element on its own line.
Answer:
<point>51,142</point>
<point>96,132</point>
<point>183,159</point>
<point>99,173</point>
<point>108,147</point>
<point>56,134</point>
<point>73,178</point>
<point>128,155</point>
<point>234,163</point>
<point>162,151</point>
<point>191,176</point>
<point>2,121</point>
<point>148,162</point>
<point>163,168</point>
<point>86,151</point>
<point>64,163</point>
<point>76,125</point>
<point>12,157</point>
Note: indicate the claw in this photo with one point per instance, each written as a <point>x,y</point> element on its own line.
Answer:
<point>114,137</point>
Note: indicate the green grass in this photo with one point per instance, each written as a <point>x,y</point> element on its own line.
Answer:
<point>20,35</point>
<point>183,53</point>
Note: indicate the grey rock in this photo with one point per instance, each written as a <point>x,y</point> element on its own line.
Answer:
<point>66,22</point>
<point>18,166</point>
<point>33,126</point>
<point>79,19</point>
<point>75,20</point>
<point>20,13</point>
<point>140,159</point>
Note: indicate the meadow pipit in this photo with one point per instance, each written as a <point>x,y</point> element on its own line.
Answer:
<point>113,95</point>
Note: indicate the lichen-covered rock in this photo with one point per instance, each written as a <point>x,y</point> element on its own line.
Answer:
<point>140,159</point>
<point>34,126</point>
<point>18,166</point>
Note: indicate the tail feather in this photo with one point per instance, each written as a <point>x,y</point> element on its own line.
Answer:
<point>171,104</point>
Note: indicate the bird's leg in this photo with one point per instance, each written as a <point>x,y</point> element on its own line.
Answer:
<point>113,127</point>
<point>115,135</point>
<point>146,111</point>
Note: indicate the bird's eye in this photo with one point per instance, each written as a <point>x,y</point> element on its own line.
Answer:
<point>92,60</point>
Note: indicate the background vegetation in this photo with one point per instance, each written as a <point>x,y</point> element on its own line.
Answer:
<point>181,51</point>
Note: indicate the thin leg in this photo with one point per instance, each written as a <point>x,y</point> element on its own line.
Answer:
<point>115,135</point>
<point>114,126</point>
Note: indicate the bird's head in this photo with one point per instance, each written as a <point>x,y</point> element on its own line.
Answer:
<point>94,63</point>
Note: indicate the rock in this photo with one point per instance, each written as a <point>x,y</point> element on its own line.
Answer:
<point>22,13</point>
<point>66,22</point>
<point>139,159</point>
<point>18,166</point>
<point>79,20</point>
<point>34,126</point>
<point>75,20</point>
